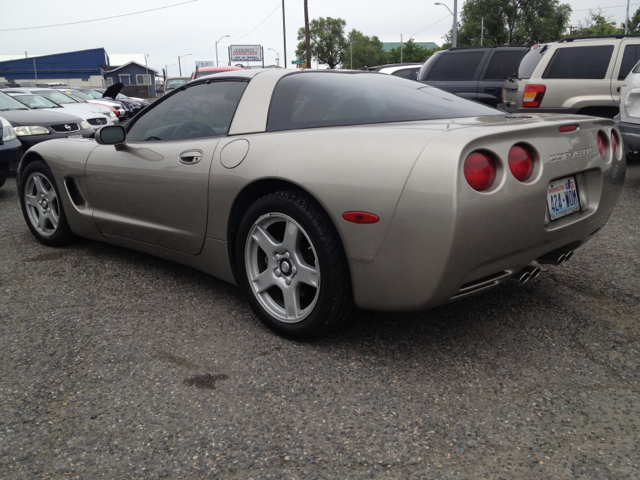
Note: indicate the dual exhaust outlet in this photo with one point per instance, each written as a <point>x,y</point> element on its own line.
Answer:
<point>531,271</point>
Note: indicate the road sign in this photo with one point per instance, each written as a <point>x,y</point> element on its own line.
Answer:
<point>297,62</point>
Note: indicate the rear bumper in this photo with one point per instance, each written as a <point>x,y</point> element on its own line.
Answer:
<point>630,133</point>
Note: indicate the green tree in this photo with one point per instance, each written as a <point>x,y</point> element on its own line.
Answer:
<point>367,51</point>
<point>512,22</point>
<point>411,52</point>
<point>596,24</point>
<point>634,23</point>
<point>328,41</point>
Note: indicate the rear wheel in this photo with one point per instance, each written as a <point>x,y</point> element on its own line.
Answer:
<point>2,180</point>
<point>292,267</point>
<point>42,206</point>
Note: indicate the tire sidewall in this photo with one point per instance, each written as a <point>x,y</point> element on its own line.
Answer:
<point>316,322</point>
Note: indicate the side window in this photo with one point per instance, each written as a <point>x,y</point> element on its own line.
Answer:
<point>203,110</point>
<point>580,62</point>
<point>456,66</point>
<point>629,59</point>
<point>409,73</point>
<point>503,64</point>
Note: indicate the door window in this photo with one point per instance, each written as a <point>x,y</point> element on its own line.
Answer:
<point>630,58</point>
<point>202,110</point>
<point>503,64</point>
<point>456,66</point>
<point>580,62</point>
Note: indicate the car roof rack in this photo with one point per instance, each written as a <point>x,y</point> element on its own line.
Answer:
<point>489,46</point>
<point>622,35</point>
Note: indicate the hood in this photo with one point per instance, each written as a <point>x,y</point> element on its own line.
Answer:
<point>113,90</point>
<point>39,117</point>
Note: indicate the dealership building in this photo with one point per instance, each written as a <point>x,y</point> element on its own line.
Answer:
<point>84,68</point>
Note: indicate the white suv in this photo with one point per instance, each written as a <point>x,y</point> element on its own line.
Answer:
<point>629,118</point>
<point>575,75</point>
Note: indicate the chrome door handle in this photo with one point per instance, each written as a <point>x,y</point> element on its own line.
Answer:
<point>191,157</point>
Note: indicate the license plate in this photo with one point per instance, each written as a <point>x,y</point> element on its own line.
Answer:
<point>510,96</point>
<point>562,198</point>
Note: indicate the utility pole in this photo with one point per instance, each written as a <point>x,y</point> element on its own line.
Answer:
<point>626,23</point>
<point>400,48</point>
<point>454,43</point>
<point>284,36</point>
<point>482,31</point>
<point>306,32</point>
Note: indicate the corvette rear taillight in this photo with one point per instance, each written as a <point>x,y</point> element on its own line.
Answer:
<point>602,144</point>
<point>520,162</point>
<point>532,96</point>
<point>614,142</point>
<point>479,170</point>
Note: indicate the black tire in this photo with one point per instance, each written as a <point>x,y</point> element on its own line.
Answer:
<point>296,309</point>
<point>42,206</point>
<point>2,180</point>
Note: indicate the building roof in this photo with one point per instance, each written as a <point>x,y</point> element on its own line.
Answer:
<point>78,64</point>
<point>388,46</point>
<point>120,59</point>
<point>133,63</point>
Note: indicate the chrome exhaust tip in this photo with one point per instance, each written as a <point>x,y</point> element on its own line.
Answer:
<point>555,258</point>
<point>568,255</point>
<point>533,271</point>
<point>521,277</point>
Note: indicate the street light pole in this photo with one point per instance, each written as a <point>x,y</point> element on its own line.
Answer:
<point>217,47</point>
<point>277,57</point>
<point>146,55</point>
<point>180,63</point>
<point>454,36</point>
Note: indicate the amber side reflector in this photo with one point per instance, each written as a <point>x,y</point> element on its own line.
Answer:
<point>360,217</point>
<point>568,128</point>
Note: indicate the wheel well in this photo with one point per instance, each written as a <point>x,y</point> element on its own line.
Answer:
<point>26,159</point>
<point>245,199</point>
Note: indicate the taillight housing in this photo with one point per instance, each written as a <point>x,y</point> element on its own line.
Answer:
<point>521,162</point>
<point>480,170</point>
<point>602,144</point>
<point>533,95</point>
<point>614,143</point>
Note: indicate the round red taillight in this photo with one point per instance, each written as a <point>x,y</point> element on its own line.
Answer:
<point>614,142</point>
<point>602,144</point>
<point>520,162</point>
<point>479,170</point>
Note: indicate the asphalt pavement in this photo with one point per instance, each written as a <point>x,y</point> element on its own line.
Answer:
<point>118,365</point>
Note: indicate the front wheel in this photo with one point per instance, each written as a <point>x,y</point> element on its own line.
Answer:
<point>292,267</point>
<point>42,206</point>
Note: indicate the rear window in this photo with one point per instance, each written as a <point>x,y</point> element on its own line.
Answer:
<point>580,62</point>
<point>432,59</point>
<point>503,64</point>
<point>409,73</point>
<point>456,66</point>
<point>530,61</point>
<point>316,99</point>
<point>629,59</point>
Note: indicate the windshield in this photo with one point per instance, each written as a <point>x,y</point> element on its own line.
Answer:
<point>57,97</point>
<point>36,101</point>
<point>78,94</point>
<point>8,103</point>
<point>316,99</point>
<point>93,94</point>
<point>120,96</point>
<point>176,82</point>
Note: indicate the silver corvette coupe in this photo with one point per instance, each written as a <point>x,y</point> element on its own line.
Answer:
<point>321,191</point>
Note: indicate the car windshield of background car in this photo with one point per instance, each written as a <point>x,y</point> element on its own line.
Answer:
<point>176,82</point>
<point>8,103</point>
<point>316,99</point>
<point>201,110</point>
<point>59,98</point>
<point>78,94</point>
<point>36,101</point>
<point>93,94</point>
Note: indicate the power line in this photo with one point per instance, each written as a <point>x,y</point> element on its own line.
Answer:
<point>603,8</point>
<point>97,19</point>
<point>443,18</point>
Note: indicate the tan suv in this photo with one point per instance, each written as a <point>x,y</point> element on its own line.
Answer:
<point>575,75</point>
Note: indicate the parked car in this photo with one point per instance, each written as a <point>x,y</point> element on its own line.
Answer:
<point>10,151</point>
<point>204,71</point>
<point>171,83</point>
<point>82,94</point>
<point>92,113</point>
<point>403,70</point>
<point>476,73</point>
<point>113,92</point>
<point>317,191</point>
<point>32,126</point>
<point>575,75</point>
<point>628,119</point>
<point>38,102</point>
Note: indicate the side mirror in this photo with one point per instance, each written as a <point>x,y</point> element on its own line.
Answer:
<point>112,135</point>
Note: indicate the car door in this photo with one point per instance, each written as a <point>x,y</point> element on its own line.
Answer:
<point>628,56</point>
<point>155,188</point>
<point>501,63</point>
<point>457,72</point>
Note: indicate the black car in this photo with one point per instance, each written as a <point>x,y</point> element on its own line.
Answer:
<point>33,126</point>
<point>10,151</point>
<point>476,73</point>
<point>113,92</point>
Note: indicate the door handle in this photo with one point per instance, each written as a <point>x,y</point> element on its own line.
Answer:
<point>191,157</point>
<point>490,90</point>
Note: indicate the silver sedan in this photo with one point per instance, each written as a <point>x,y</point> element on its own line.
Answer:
<point>321,191</point>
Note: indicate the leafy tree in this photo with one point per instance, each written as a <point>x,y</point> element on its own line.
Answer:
<point>327,41</point>
<point>512,22</point>
<point>634,23</point>
<point>596,24</point>
<point>411,52</point>
<point>367,51</point>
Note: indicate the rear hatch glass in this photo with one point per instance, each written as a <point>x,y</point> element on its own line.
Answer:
<point>530,61</point>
